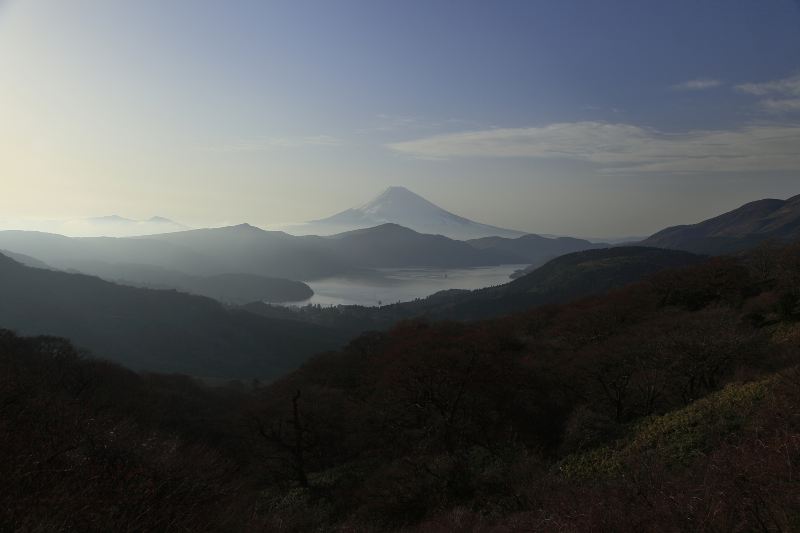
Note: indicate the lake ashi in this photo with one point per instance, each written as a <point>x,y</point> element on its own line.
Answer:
<point>392,285</point>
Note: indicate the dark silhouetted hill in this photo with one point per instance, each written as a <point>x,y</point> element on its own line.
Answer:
<point>227,288</point>
<point>26,260</point>
<point>535,249</point>
<point>740,229</point>
<point>392,245</point>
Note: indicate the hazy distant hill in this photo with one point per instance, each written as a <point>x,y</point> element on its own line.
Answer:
<point>117,226</point>
<point>78,253</point>
<point>391,245</point>
<point>105,226</point>
<point>245,249</point>
<point>251,250</point>
<point>144,329</point>
<point>742,228</point>
<point>26,260</point>
<point>535,249</point>
<point>398,205</point>
<point>228,288</point>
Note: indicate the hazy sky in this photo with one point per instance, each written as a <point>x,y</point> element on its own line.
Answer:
<point>573,117</point>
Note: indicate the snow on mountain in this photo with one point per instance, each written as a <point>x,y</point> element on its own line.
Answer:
<point>398,205</point>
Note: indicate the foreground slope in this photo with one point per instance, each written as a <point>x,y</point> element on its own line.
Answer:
<point>668,405</point>
<point>154,330</point>
<point>653,408</point>
<point>89,446</point>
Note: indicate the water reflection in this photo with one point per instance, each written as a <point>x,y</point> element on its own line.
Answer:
<point>392,285</point>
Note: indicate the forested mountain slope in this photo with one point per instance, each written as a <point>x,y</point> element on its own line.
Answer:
<point>154,330</point>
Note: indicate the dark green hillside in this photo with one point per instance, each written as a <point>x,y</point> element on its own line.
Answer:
<point>227,288</point>
<point>154,330</point>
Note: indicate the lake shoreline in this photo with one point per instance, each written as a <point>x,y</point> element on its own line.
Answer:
<point>395,285</point>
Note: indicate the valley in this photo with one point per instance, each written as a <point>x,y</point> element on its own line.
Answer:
<point>350,266</point>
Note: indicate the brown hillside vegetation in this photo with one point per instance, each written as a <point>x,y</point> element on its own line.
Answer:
<point>675,399</point>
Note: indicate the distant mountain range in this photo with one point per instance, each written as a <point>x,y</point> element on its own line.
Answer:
<point>105,226</point>
<point>238,264</point>
<point>736,230</point>
<point>398,205</point>
<point>245,249</point>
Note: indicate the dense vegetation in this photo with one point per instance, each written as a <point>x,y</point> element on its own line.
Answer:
<point>668,405</point>
<point>89,446</point>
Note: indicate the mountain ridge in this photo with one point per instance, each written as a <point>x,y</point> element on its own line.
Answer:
<point>735,230</point>
<point>246,249</point>
<point>402,206</point>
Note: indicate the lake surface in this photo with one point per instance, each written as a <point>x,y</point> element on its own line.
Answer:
<point>392,285</point>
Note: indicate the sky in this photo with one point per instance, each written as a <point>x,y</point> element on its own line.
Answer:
<point>553,116</point>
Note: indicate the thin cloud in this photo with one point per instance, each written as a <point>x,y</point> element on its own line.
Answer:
<point>787,87</point>
<point>788,105</point>
<point>625,147</point>
<point>272,143</point>
<point>700,84</point>
<point>777,96</point>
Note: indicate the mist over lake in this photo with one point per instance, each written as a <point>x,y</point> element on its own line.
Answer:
<point>392,285</point>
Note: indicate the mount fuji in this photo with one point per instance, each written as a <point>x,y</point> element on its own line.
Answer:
<point>398,205</point>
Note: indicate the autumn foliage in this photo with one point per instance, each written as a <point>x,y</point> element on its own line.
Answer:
<point>669,405</point>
